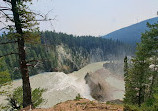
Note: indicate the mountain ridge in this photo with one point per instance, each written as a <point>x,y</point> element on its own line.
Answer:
<point>131,34</point>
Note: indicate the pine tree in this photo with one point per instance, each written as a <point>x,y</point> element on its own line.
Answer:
<point>144,79</point>
<point>22,31</point>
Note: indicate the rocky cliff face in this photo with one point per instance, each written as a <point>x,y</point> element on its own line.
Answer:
<point>97,87</point>
<point>73,60</point>
<point>105,85</point>
<point>68,61</point>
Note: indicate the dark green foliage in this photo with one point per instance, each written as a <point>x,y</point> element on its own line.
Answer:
<point>4,78</point>
<point>4,74</point>
<point>125,66</point>
<point>141,82</point>
<point>116,102</point>
<point>86,43</point>
<point>47,60</point>
<point>131,108</point>
<point>78,97</point>
<point>37,96</point>
<point>83,50</point>
<point>16,102</point>
<point>93,49</point>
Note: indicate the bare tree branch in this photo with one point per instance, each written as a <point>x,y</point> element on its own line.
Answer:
<point>7,27</point>
<point>30,65</point>
<point>7,1</point>
<point>3,23</point>
<point>2,28</point>
<point>49,12</point>
<point>34,65</point>
<point>45,18</point>
<point>7,16</point>
<point>34,60</point>
<point>4,8</point>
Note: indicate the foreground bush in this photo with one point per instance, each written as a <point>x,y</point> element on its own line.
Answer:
<point>15,100</point>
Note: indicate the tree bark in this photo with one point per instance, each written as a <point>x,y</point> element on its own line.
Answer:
<point>27,100</point>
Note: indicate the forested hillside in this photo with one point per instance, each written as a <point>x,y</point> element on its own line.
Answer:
<point>62,52</point>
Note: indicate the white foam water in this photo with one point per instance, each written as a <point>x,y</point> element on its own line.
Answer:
<point>60,86</point>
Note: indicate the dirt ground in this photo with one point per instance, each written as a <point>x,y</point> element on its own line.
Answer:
<point>83,105</point>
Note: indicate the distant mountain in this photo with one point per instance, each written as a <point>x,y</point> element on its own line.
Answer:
<point>131,34</point>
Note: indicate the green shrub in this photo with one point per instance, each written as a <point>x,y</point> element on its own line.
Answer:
<point>131,108</point>
<point>16,99</point>
<point>78,97</point>
<point>143,107</point>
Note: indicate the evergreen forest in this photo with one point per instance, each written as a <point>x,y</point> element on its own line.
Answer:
<point>62,52</point>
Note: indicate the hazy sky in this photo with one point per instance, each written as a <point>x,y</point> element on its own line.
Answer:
<point>94,17</point>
